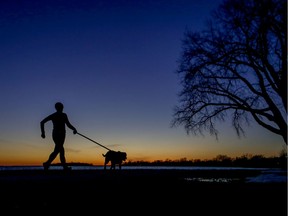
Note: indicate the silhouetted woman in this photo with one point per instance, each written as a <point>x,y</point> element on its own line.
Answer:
<point>60,121</point>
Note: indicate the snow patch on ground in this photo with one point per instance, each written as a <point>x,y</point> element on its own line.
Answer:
<point>269,176</point>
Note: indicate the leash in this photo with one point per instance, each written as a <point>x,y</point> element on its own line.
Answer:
<point>93,141</point>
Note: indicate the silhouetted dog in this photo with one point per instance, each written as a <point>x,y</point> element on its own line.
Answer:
<point>116,157</point>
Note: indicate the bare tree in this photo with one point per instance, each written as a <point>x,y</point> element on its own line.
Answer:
<point>236,68</point>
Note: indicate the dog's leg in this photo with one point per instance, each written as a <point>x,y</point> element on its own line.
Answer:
<point>105,164</point>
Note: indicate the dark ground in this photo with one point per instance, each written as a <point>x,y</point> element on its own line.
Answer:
<point>139,192</point>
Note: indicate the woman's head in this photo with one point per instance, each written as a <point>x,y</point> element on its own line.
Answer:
<point>59,106</point>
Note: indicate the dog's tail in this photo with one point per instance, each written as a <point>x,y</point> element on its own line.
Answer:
<point>104,155</point>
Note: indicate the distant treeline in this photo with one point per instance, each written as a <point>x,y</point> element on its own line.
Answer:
<point>73,164</point>
<point>253,161</point>
<point>247,160</point>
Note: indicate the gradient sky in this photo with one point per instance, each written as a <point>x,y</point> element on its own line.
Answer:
<point>112,64</point>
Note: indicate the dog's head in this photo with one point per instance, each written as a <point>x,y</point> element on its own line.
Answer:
<point>123,155</point>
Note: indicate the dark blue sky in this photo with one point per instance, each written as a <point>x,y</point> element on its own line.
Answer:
<point>112,64</point>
